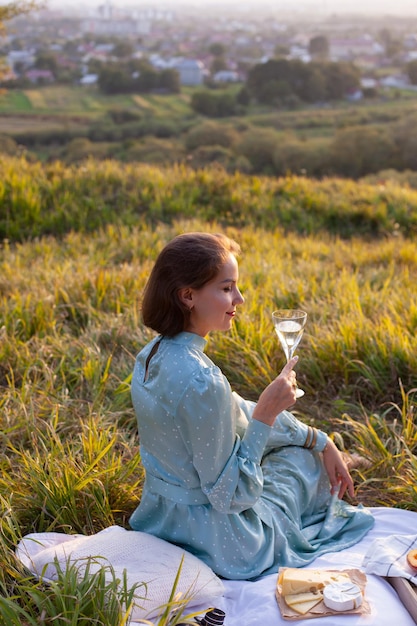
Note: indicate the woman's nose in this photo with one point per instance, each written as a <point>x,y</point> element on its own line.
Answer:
<point>238,299</point>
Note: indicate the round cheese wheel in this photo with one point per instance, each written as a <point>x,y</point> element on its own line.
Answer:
<point>342,596</point>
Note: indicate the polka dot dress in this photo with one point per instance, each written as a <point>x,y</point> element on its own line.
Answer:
<point>244,497</point>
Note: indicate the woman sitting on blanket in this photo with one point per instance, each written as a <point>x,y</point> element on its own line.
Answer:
<point>244,486</point>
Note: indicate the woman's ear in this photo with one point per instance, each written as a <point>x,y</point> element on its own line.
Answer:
<point>186,297</point>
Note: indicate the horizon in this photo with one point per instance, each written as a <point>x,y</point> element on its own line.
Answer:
<point>401,8</point>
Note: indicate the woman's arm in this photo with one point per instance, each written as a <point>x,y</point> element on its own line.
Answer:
<point>286,430</point>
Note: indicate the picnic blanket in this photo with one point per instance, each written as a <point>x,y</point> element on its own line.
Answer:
<point>254,603</point>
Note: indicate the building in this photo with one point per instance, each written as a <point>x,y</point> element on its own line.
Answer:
<point>226,76</point>
<point>40,76</point>
<point>349,49</point>
<point>115,27</point>
<point>191,72</point>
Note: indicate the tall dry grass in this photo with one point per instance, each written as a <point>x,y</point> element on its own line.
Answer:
<point>70,329</point>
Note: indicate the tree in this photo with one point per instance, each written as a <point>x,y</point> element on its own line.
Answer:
<point>113,78</point>
<point>310,82</point>
<point>274,92</point>
<point>213,104</point>
<point>123,49</point>
<point>313,87</point>
<point>136,76</point>
<point>281,50</point>
<point>243,96</point>
<point>217,49</point>
<point>13,9</point>
<point>273,70</point>
<point>218,64</point>
<point>46,61</point>
<point>412,72</point>
<point>341,78</point>
<point>147,80</point>
<point>169,80</point>
<point>395,49</point>
<point>318,47</point>
<point>385,37</point>
<point>392,46</point>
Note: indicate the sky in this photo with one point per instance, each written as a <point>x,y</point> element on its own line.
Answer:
<point>394,7</point>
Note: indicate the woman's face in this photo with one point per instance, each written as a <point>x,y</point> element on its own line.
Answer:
<point>213,307</point>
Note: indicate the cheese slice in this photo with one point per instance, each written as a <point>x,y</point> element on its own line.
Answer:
<point>295,581</point>
<point>303,602</point>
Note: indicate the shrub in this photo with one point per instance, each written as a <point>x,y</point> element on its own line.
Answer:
<point>150,150</point>
<point>80,149</point>
<point>405,137</point>
<point>8,145</point>
<point>214,104</point>
<point>210,134</point>
<point>56,137</point>
<point>206,155</point>
<point>407,178</point>
<point>121,116</point>
<point>259,146</point>
<point>309,158</point>
<point>359,151</point>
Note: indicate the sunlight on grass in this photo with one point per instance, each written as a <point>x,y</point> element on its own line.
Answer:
<point>77,246</point>
<point>36,98</point>
<point>389,441</point>
<point>15,101</point>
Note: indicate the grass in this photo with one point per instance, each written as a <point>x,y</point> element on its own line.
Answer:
<point>391,436</point>
<point>87,592</point>
<point>14,101</point>
<point>59,100</point>
<point>38,200</point>
<point>46,122</point>
<point>70,328</point>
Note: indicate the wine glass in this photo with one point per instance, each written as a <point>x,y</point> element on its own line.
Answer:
<point>289,326</point>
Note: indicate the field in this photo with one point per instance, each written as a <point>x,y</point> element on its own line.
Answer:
<point>77,247</point>
<point>71,124</point>
<point>69,101</point>
<point>60,103</point>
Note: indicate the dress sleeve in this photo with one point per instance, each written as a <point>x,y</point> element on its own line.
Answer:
<point>227,464</point>
<point>287,430</point>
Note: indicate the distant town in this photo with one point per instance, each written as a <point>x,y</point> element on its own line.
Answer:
<point>70,45</point>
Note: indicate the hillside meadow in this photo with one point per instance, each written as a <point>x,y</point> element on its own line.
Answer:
<point>70,123</point>
<point>77,245</point>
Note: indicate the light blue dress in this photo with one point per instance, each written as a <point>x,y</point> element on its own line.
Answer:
<point>245,497</point>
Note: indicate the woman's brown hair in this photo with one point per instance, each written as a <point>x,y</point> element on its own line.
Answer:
<point>189,260</point>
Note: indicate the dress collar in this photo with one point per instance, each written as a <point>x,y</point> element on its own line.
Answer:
<point>189,339</point>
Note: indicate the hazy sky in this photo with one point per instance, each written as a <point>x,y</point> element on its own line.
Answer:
<point>395,7</point>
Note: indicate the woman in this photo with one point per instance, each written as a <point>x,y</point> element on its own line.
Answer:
<point>246,487</point>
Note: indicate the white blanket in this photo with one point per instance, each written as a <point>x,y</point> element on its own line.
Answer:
<point>254,604</point>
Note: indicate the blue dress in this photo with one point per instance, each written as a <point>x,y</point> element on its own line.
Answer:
<point>243,496</point>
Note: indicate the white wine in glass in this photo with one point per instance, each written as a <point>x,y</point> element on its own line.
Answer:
<point>289,326</point>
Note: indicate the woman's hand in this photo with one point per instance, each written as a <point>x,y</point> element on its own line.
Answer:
<point>337,470</point>
<point>278,396</point>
